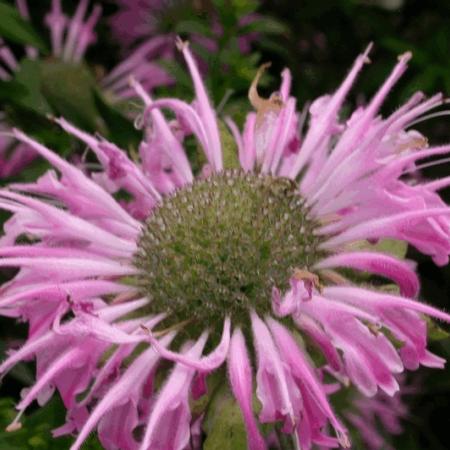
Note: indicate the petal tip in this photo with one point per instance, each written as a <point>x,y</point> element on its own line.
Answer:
<point>405,57</point>
<point>181,45</point>
<point>13,426</point>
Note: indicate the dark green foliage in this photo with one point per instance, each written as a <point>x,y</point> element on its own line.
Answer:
<point>35,433</point>
<point>13,27</point>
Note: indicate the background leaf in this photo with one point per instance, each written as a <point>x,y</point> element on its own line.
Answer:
<point>13,27</point>
<point>35,433</point>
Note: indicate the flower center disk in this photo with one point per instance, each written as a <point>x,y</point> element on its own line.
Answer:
<point>219,246</point>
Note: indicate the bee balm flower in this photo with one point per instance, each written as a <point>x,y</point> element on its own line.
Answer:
<point>367,414</point>
<point>142,20</point>
<point>230,266</point>
<point>69,42</point>
<point>70,38</point>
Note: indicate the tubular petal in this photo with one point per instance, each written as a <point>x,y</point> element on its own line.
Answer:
<point>206,363</point>
<point>379,264</point>
<point>240,376</point>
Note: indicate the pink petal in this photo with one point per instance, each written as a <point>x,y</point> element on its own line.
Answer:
<point>205,110</point>
<point>315,135</point>
<point>130,382</point>
<point>169,422</point>
<point>301,370</point>
<point>379,264</point>
<point>240,376</point>
<point>206,363</point>
<point>275,388</point>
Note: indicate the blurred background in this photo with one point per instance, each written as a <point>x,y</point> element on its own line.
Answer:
<point>317,39</point>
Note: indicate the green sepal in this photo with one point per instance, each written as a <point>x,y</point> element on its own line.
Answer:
<point>214,383</point>
<point>27,81</point>
<point>229,148</point>
<point>435,332</point>
<point>397,343</point>
<point>69,89</point>
<point>391,247</point>
<point>223,424</point>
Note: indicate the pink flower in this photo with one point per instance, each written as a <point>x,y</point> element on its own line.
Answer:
<point>139,21</point>
<point>366,414</point>
<point>70,39</point>
<point>141,63</point>
<point>142,262</point>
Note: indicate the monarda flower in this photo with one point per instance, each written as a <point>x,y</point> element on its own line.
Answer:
<point>138,21</point>
<point>70,39</point>
<point>126,270</point>
<point>374,417</point>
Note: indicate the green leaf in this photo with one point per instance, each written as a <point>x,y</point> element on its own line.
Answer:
<point>193,26</point>
<point>269,45</point>
<point>44,130</point>
<point>28,79</point>
<point>178,71</point>
<point>13,27</point>
<point>121,131</point>
<point>224,425</point>
<point>45,88</point>
<point>69,89</point>
<point>265,25</point>
<point>11,90</point>
<point>240,7</point>
<point>35,433</point>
